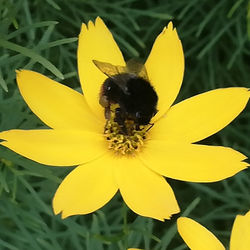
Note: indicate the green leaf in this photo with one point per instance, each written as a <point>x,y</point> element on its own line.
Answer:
<point>3,83</point>
<point>33,55</point>
<point>28,27</point>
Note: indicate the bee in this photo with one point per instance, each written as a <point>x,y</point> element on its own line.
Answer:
<point>129,88</point>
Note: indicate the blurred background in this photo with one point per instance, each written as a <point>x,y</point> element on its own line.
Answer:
<point>42,35</point>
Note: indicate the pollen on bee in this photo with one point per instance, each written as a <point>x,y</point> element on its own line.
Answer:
<point>124,143</point>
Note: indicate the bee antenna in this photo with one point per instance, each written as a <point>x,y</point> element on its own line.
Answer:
<point>151,125</point>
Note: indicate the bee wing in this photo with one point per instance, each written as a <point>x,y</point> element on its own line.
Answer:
<point>135,67</point>
<point>109,69</point>
<point>132,67</point>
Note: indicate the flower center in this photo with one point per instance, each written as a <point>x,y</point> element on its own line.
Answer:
<point>124,139</point>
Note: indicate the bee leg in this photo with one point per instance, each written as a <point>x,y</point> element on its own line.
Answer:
<point>107,113</point>
<point>151,125</point>
<point>120,119</point>
<point>137,127</point>
<point>103,101</point>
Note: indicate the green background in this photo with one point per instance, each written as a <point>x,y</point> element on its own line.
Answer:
<point>42,35</point>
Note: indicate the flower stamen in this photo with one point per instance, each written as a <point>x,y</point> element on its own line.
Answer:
<point>121,142</point>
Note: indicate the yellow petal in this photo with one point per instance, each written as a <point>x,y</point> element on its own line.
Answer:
<point>165,68</point>
<point>196,236</point>
<point>86,189</point>
<point>54,147</point>
<point>202,115</point>
<point>192,162</point>
<point>145,192</point>
<point>96,43</point>
<point>55,104</point>
<point>240,237</point>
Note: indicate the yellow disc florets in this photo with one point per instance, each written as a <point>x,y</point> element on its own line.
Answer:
<point>126,139</point>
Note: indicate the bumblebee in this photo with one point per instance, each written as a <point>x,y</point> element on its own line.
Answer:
<point>129,90</point>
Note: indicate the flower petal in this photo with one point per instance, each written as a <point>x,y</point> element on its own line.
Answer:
<point>240,237</point>
<point>196,236</point>
<point>96,43</point>
<point>55,104</point>
<point>202,115</point>
<point>86,189</point>
<point>192,162</point>
<point>145,192</point>
<point>54,147</point>
<point>165,68</point>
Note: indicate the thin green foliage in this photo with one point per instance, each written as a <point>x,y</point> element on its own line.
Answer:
<point>42,36</point>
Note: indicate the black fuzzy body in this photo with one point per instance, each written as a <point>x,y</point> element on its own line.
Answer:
<point>136,97</point>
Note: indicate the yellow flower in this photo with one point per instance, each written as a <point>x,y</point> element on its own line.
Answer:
<point>77,123</point>
<point>198,237</point>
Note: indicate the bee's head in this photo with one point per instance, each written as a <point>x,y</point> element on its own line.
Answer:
<point>143,117</point>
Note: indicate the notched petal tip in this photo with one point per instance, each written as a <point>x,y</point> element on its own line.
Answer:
<point>163,30</point>
<point>90,25</point>
<point>4,134</point>
<point>59,210</point>
<point>56,210</point>
<point>170,25</point>
<point>246,90</point>
<point>22,73</point>
<point>62,213</point>
<point>245,165</point>
<point>99,21</point>
<point>167,217</point>
<point>4,143</point>
<point>161,219</point>
<point>3,138</point>
<point>169,30</point>
<point>83,29</point>
<point>161,216</point>
<point>18,71</point>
